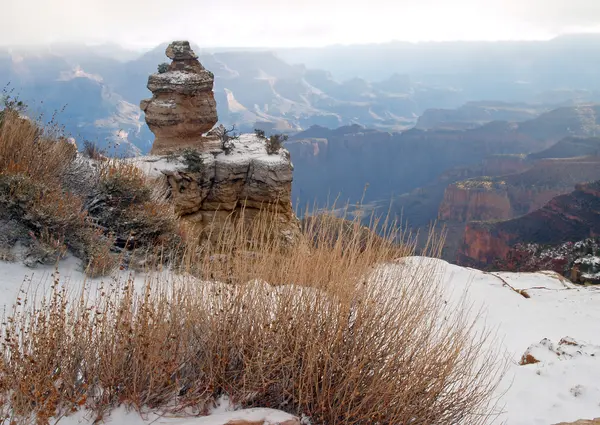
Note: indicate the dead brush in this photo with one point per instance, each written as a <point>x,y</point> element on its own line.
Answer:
<point>336,338</point>
<point>24,145</point>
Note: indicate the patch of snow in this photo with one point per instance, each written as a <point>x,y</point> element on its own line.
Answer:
<point>181,78</point>
<point>540,393</point>
<point>589,261</point>
<point>169,104</point>
<point>246,150</point>
<point>122,416</point>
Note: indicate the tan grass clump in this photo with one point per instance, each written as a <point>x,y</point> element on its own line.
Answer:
<point>40,187</point>
<point>335,338</point>
<point>27,149</point>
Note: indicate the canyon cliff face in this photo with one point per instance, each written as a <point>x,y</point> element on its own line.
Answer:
<point>508,196</point>
<point>501,165</point>
<point>343,161</point>
<point>212,179</point>
<point>504,197</point>
<point>182,107</point>
<point>571,217</point>
<point>463,203</point>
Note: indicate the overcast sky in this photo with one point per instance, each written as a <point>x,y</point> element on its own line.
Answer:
<point>272,23</point>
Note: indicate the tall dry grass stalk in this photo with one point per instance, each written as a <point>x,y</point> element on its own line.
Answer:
<point>27,149</point>
<point>335,337</point>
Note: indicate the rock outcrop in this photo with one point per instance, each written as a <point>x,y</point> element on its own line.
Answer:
<point>183,106</point>
<point>212,177</point>
<point>571,217</point>
<point>476,199</point>
<point>215,188</point>
<point>508,196</point>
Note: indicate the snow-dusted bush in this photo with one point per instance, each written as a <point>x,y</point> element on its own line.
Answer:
<point>339,342</point>
<point>275,143</point>
<point>163,67</point>
<point>59,196</point>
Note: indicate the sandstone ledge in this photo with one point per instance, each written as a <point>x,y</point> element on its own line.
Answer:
<point>246,180</point>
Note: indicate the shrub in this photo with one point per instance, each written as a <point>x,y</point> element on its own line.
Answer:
<point>275,143</point>
<point>227,139</point>
<point>192,159</point>
<point>25,149</point>
<point>92,151</point>
<point>163,67</point>
<point>41,207</point>
<point>341,351</point>
<point>123,184</point>
<point>43,185</point>
<point>44,249</point>
<point>10,104</point>
<point>260,133</point>
<point>98,256</point>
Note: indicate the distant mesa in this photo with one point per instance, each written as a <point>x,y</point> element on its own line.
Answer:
<point>183,107</point>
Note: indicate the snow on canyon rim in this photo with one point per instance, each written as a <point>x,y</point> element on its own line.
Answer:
<point>559,325</point>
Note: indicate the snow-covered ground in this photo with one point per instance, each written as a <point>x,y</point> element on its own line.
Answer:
<point>558,324</point>
<point>223,414</point>
<point>560,387</point>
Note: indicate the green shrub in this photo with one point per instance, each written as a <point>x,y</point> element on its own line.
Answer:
<point>192,159</point>
<point>163,67</point>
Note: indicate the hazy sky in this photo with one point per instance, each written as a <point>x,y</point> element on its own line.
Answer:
<point>290,22</point>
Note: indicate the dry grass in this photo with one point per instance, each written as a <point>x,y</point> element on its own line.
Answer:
<point>336,339</point>
<point>35,166</point>
<point>27,149</point>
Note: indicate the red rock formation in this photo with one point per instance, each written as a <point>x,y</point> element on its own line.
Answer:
<point>462,204</point>
<point>481,246</point>
<point>571,217</point>
<point>182,107</point>
<point>509,196</point>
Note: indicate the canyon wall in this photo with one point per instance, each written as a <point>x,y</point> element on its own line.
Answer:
<point>571,217</point>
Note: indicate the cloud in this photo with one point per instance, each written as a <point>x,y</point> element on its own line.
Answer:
<point>289,22</point>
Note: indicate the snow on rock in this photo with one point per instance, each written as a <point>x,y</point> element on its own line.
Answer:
<point>223,185</point>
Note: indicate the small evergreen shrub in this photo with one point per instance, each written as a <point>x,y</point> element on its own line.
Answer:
<point>92,151</point>
<point>227,137</point>
<point>163,67</point>
<point>193,161</point>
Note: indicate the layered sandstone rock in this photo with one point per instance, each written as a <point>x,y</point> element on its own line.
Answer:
<point>182,107</point>
<point>503,198</point>
<point>571,217</point>
<point>463,202</point>
<point>220,187</point>
<point>582,422</point>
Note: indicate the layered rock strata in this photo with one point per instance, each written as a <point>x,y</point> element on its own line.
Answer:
<point>183,106</point>
<point>216,188</point>
<point>569,217</point>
